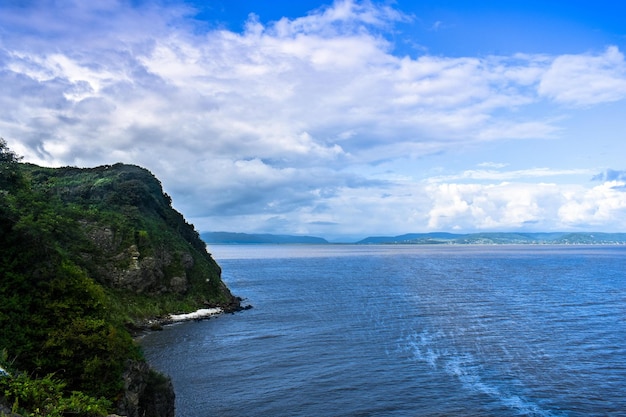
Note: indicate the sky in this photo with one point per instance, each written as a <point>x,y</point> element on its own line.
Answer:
<point>341,119</point>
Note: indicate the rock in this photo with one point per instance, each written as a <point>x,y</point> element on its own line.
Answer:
<point>179,285</point>
<point>186,261</point>
<point>5,410</point>
<point>147,393</point>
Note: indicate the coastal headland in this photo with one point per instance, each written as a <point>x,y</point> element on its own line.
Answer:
<point>88,256</point>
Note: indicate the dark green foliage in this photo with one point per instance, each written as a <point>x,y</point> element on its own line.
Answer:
<point>47,396</point>
<point>67,235</point>
<point>9,166</point>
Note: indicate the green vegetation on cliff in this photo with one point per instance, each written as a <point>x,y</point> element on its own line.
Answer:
<point>86,255</point>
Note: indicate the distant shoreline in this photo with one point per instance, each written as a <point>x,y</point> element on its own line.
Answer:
<point>433,238</point>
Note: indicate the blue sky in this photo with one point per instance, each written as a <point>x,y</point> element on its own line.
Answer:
<point>337,119</point>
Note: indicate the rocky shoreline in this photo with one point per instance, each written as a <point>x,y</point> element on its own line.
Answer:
<point>151,391</point>
<point>137,329</point>
<point>146,391</point>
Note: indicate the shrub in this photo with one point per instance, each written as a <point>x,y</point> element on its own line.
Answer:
<point>45,396</point>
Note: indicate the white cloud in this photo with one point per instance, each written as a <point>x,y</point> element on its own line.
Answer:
<point>503,206</point>
<point>497,175</point>
<point>495,165</point>
<point>345,16</point>
<point>600,206</point>
<point>525,206</point>
<point>403,207</point>
<point>273,85</point>
<point>274,121</point>
<point>586,79</point>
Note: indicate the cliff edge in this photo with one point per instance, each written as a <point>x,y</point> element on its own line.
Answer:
<point>87,257</point>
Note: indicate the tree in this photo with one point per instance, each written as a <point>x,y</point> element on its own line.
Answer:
<point>7,155</point>
<point>9,165</point>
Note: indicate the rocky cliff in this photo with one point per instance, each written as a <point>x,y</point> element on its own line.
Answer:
<point>86,257</point>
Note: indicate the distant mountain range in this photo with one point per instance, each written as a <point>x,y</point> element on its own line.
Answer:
<point>245,238</point>
<point>555,238</point>
<point>437,238</point>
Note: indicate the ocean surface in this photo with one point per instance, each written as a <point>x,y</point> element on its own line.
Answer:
<point>348,330</point>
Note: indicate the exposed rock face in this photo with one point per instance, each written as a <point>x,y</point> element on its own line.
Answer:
<point>151,249</point>
<point>146,393</point>
<point>165,272</point>
<point>179,285</point>
<point>154,272</point>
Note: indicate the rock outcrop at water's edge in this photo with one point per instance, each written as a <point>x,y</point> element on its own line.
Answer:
<point>89,257</point>
<point>146,392</point>
<point>157,323</point>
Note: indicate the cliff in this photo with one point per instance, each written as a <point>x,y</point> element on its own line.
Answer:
<point>87,256</point>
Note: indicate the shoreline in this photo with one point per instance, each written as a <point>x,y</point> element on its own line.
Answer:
<point>157,323</point>
<point>200,314</point>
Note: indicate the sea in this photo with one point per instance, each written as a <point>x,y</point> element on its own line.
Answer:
<point>406,330</point>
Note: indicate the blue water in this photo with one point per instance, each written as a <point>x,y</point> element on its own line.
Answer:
<point>407,331</point>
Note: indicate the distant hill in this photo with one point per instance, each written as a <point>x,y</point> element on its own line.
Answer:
<point>435,238</point>
<point>245,238</point>
<point>555,238</point>
<point>412,238</point>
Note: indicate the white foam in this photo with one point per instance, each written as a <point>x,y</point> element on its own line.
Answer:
<point>466,368</point>
<point>199,314</point>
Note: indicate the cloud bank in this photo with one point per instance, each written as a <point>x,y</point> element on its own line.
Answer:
<point>281,127</point>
